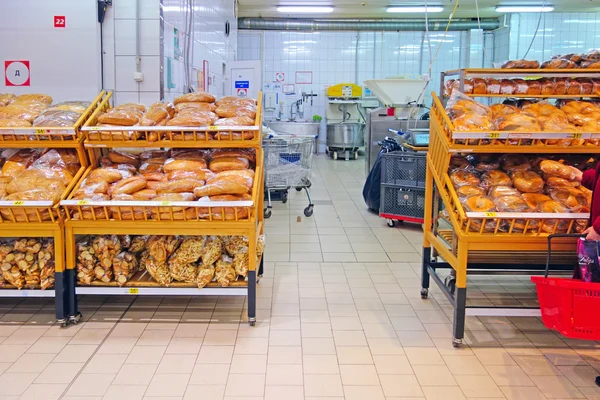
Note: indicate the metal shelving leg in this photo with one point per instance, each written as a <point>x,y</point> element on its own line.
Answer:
<point>425,272</point>
<point>260,266</point>
<point>73,313</point>
<point>61,295</point>
<point>252,297</point>
<point>460,304</point>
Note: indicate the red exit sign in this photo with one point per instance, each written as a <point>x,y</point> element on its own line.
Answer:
<point>60,21</point>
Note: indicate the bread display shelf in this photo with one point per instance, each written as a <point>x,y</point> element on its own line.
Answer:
<point>537,96</point>
<point>517,73</point>
<point>172,136</point>
<point>58,136</point>
<point>163,211</point>
<point>505,141</point>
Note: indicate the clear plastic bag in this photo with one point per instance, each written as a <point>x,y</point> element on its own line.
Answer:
<point>86,261</point>
<point>459,104</point>
<point>57,118</point>
<point>205,275</point>
<point>224,271</point>
<point>213,248</point>
<point>125,264</point>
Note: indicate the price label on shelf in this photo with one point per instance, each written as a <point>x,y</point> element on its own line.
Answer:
<point>490,214</point>
<point>133,290</point>
<point>40,131</point>
<point>494,135</point>
<point>82,202</point>
<point>576,135</point>
<point>212,128</point>
<point>18,203</point>
<point>165,203</point>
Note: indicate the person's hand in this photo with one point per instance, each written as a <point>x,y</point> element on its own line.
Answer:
<point>578,175</point>
<point>591,234</point>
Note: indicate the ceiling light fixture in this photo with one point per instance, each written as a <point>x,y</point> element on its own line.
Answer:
<point>305,9</point>
<point>523,9</point>
<point>417,9</point>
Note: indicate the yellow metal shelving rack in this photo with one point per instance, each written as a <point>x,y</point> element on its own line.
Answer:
<point>84,217</point>
<point>504,243</point>
<point>44,218</point>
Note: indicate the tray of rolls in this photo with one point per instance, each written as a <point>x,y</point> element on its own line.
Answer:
<point>175,261</point>
<point>167,185</point>
<point>514,194</point>
<point>35,117</point>
<point>27,263</point>
<point>560,124</point>
<point>193,117</point>
<point>33,181</point>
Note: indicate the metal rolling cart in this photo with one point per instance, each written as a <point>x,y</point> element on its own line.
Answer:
<point>471,242</point>
<point>247,221</point>
<point>288,164</point>
<point>33,219</point>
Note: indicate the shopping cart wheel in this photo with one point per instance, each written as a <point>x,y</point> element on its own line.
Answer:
<point>335,155</point>
<point>391,223</point>
<point>252,321</point>
<point>450,282</point>
<point>267,213</point>
<point>356,155</point>
<point>424,293</point>
<point>457,342</point>
<point>284,198</point>
<point>309,184</point>
<point>308,211</point>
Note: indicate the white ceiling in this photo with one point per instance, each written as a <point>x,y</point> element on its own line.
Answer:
<point>376,8</point>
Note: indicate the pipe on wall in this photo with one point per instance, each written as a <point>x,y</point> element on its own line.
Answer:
<point>301,24</point>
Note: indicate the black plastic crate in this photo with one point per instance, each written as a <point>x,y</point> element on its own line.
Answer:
<point>404,169</point>
<point>402,203</point>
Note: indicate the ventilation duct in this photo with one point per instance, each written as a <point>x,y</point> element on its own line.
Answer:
<point>284,24</point>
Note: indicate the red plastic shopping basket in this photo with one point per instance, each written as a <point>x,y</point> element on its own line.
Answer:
<point>569,306</point>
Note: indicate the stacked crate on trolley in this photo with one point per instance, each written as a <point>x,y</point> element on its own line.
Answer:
<point>44,219</point>
<point>87,217</point>
<point>492,242</point>
<point>403,186</point>
<point>288,164</point>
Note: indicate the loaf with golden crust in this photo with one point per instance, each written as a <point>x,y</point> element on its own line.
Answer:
<point>184,165</point>
<point>198,97</point>
<point>221,187</point>
<point>228,163</point>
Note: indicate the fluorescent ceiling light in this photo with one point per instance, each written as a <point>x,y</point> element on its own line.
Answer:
<point>304,9</point>
<point>416,9</point>
<point>520,9</point>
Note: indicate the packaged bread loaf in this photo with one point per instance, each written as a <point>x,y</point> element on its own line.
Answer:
<point>191,120</point>
<point>86,261</point>
<point>14,123</point>
<point>243,101</point>
<point>235,121</point>
<point>528,181</point>
<point>125,264</point>
<point>556,168</point>
<point>47,266</point>
<point>200,97</point>
<point>221,187</point>
<point>105,248</point>
<point>462,177</point>
<point>179,186</point>
<point>155,114</point>
<point>201,174</point>
<point>6,99</point>
<point>184,165</point>
<point>195,106</point>
<point>129,185</point>
<point>121,117</point>
<point>228,163</point>
<point>520,64</point>
<point>57,118</point>
<point>205,275</point>
<point>161,247</point>
<point>158,270</point>
<point>213,248</point>
<point>224,271</point>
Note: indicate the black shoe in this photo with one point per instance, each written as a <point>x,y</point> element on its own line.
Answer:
<point>598,380</point>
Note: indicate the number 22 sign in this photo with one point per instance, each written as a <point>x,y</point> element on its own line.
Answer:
<point>60,21</point>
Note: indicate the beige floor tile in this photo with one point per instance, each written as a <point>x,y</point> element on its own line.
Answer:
<point>248,364</point>
<point>135,374</point>
<point>509,376</point>
<point>220,338</point>
<point>361,375</point>
<point>12,352</point>
<point>89,336</point>
<point>285,355</point>
<point>321,330</point>
<point>204,392</point>
<point>48,345</point>
<point>168,385</point>
<point>129,392</point>
<point>284,392</point>
<point>117,345</point>
<point>494,356</point>
<point>90,385</point>
<point>392,365</point>
<point>363,392</point>
<point>74,353</point>
<point>443,393</point>
<point>245,385</point>
<point>400,386</point>
<point>407,324</point>
<point>349,338</point>
<point>424,356</point>
<point>155,337</point>
<point>346,324</point>
<point>536,365</point>
<point>434,375</point>
<point>323,386</point>
<point>465,365</point>
<point>251,346</point>
<point>354,355</point>
<point>146,355</point>
<point>414,339</point>
<point>105,364</point>
<point>215,355</point>
<point>285,323</point>
<point>59,373</point>
<point>282,374</point>
<point>181,345</point>
<point>580,375</point>
<point>522,393</point>
<point>557,387</point>
<point>285,338</point>
<point>31,363</point>
<point>318,346</point>
<point>321,364</point>
<point>128,330</point>
<point>176,364</point>
<point>210,374</point>
<point>482,386</point>
<point>190,330</point>
<point>379,330</point>
<point>15,384</point>
<point>388,346</point>
<point>44,391</point>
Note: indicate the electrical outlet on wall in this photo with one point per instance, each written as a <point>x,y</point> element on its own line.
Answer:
<point>138,76</point>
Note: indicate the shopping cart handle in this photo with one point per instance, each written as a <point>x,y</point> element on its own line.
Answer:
<point>558,235</point>
<point>397,132</point>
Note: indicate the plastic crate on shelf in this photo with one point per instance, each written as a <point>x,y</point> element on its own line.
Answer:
<point>404,169</point>
<point>402,203</point>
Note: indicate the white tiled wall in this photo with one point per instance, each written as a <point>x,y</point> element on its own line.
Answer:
<point>558,33</point>
<point>209,43</point>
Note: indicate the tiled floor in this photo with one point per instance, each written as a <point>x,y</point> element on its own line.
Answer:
<point>340,317</point>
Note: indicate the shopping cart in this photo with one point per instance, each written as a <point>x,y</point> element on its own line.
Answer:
<point>569,306</point>
<point>288,164</point>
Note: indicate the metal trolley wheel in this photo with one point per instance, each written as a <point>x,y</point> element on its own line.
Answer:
<point>308,211</point>
<point>268,213</point>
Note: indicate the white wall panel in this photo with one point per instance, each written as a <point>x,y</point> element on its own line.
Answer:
<point>65,62</point>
